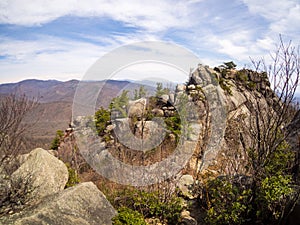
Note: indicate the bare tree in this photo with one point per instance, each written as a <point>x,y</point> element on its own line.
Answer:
<point>14,193</point>
<point>13,109</point>
<point>268,119</point>
<point>272,110</point>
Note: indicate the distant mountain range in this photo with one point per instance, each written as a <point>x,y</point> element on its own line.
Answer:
<point>56,99</point>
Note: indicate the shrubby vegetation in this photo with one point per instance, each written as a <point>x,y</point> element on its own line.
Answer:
<point>160,90</point>
<point>227,201</point>
<point>73,176</point>
<point>140,93</point>
<point>225,69</point>
<point>261,198</point>
<point>129,217</point>
<point>119,103</point>
<point>149,204</point>
<point>174,125</point>
<point>102,119</point>
<point>56,141</point>
<point>15,194</point>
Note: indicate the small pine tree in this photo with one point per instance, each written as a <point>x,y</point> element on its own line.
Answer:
<point>102,117</point>
<point>229,65</point>
<point>160,90</point>
<point>56,141</point>
<point>140,93</point>
<point>119,103</point>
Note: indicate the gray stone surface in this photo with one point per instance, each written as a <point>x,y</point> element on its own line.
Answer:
<point>165,98</point>
<point>49,175</point>
<point>186,219</point>
<point>158,112</point>
<point>180,87</point>
<point>81,204</point>
<point>171,98</point>
<point>184,185</point>
<point>137,108</point>
<point>294,128</point>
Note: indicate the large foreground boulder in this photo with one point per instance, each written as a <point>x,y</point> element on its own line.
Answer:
<point>48,175</point>
<point>78,205</point>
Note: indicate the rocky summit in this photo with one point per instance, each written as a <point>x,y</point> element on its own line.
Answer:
<point>208,145</point>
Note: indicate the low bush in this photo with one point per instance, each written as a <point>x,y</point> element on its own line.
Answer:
<point>228,203</point>
<point>56,141</point>
<point>15,194</point>
<point>102,119</point>
<point>150,204</point>
<point>73,177</point>
<point>129,217</point>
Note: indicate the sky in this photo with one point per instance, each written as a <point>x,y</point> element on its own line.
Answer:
<point>54,39</point>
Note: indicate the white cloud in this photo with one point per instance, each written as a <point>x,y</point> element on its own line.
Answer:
<point>152,15</point>
<point>228,47</point>
<point>283,16</point>
<point>48,58</point>
<point>22,12</point>
<point>56,58</point>
<point>216,33</point>
<point>272,10</point>
<point>152,71</point>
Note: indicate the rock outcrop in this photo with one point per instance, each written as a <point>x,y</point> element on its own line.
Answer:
<point>137,108</point>
<point>48,174</point>
<point>185,185</point>
<point>294,129</point>
<point>52,204</point>
<point>78,205</point>
<point>186,219</point>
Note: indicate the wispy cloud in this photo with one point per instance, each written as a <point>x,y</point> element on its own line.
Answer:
<point>48,58</point>
<point>283,16</point>
<point>54,39</point>
<point>153,15</point>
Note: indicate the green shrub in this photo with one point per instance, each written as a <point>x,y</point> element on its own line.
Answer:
<point>140,93</point>
<point>73,176</point>
<point>228,203</point>
<point>265,198</point>
<point>160,90</point>
<point>56,141</point>
<point>174,125</point>
<point>102,117</point>
<point>279,160</point>
<point>151,204</point>
<point>251,85</point>
<point>273,193</point>
<point>225,85</point>
<point>229,65</point>
<point>128,216</point>
<point>119,103</point>
<point>241,75</point>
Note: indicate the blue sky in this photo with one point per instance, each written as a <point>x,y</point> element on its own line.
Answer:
<point>54,39</point>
